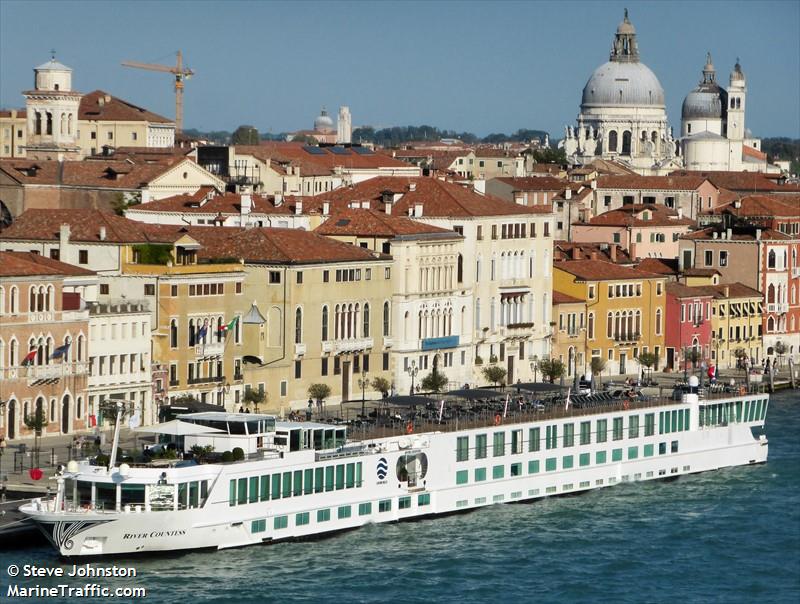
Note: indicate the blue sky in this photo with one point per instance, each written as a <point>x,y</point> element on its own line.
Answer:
<point>477,66</point>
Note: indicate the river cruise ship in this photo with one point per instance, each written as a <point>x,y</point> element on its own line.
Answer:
<point>303,479</point>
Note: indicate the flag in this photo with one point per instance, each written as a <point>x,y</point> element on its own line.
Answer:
<point>29,357</point>
<point>441,410</point>
<point>566,404</point>
<point>226,328</point>
<point>202,332</point>
<point>505,409</point>
<point>60,351</point>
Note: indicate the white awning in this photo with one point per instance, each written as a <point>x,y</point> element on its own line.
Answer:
<point>178,428</point>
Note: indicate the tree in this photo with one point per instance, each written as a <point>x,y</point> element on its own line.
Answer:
<point>36,422</point>
<point>245,135</point>
<point>552,369</point>
<point>121,202</point>
<point>434,382</point>
<point>780,350</point>
<point>597,365</point>
<point>254,397</point>
<point>319,392</point>
<point>495,374</point>
<point>381,384</point>
<point>648,360</point>
<point>691,355</point>
<point>306,139</point>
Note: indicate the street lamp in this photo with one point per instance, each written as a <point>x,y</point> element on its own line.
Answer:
<point>223,391</point>
<point>412,371</point>
<point>535,366</point>
<point>362,383</point>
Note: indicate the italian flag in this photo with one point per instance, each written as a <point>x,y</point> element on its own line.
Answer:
<point>224,329</point>
<point>29,357</point>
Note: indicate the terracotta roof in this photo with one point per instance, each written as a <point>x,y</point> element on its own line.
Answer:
<point>564,250</point>
<point>534,183</point>
<point>45,225</point>
<point>743,182</point>
<point>662,266</point>
<point>764,205</point>
<point>547,168</point>
<point>438,198</point>
<point>324,158</point>
<point>373,223</point>
<point>207,201</point>
<point>24,264</point>
<point>699,272</point>
<point>748,151</point>
<point>748,234</point>
<point>21,113</point>
<point>278,246</point>
<point>680,290</point>
<point>559,298</point>
<point>632,215</point>
<point>734,290</point>
<point>95,173</point>
<point>101,106</point>
<point>600,270</point>
<point>660,183</point>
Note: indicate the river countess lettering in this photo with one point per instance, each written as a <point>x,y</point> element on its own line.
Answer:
<point>153,535</point>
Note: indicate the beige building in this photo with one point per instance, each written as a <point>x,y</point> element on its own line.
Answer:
<point>692,194</point>
<point>570,340</point>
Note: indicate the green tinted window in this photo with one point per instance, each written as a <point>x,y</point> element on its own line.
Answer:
<point>344,512</point>
<point>566,462</point>
<point>323,515</point>
<point>480,474</point>
<point>569,435</point>
<point>253,492</point>
<point>648,450</point>
<point>550,464</point>
<point>276,486</point>
<point>499,444</point>
<point>339,476</point>
<point>424,499</point>
<point>533,439</point>
<point>264,487</point>
<point>308,481</point>
<point>329,478</point>
<point>602,430</point>
<point>498,471</point>
<point>286,480</point>
<point>616,455</point>
<point>617,428</point>
<point>301,519</point>
<point>633,452</point>
<point>586,433</point>
<point>319,481</point>
<point>462,448</point>
<point>404,503</point>
<point>350,476</point>
<point>298,483</point>
<point>649,424</point>
<point>462,477</point>
<point>281,522</point>
<point>241,491</point>
<point>480,446</point>
<point>385,505</point>
<point>584,459</point>
<point>633,426</point>
<point>364,509</point>
<point>533,466</point>
<point>232,492</point>
<point>600,457</point>
<point>516,469</point>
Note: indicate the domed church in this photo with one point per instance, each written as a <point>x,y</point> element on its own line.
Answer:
<point>713,135</point>
<point>623,115</point>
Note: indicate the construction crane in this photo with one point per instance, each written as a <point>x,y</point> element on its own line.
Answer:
<point>180,72</point>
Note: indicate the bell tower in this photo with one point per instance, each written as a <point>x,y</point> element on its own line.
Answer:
<point>737,93</point>
<point>52,113</point>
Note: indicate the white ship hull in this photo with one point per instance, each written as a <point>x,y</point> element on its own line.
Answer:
<point>407,477</point>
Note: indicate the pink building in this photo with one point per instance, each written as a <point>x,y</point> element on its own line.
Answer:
<point>688,323</point>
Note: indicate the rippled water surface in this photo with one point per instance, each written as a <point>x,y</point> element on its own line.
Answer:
<point>726,536</point>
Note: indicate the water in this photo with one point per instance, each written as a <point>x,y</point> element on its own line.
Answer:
<point>726,536</point>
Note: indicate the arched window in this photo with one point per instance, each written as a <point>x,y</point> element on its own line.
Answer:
<point>771,324</point>
<point>366,321</point>
<point>79,407</point>
<point>298,326</point>
<point>37,124</point>
<point>626,142</point>
<point>13,350</point>
<point>610,325</point>
<point>492,314</point>
<point>477,313</point>
<point>771,259</point>
<point>191,332</point>
<point>173,333</point>
<point>32,299</point>
<point>478,269</point>
<point>13,301</point>
<point>324,323</point>
<point>386,319</point>
<point>49,123</point>
<point>590,326</point>
<point>612,141</point>
<point>771,293</point>
<point>460,269</point>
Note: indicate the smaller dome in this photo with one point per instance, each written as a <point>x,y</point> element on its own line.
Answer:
<point>53,65</point>
<point>323,123</point>
<point>708,100</point>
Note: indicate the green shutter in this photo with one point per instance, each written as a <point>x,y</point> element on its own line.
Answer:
<point>232,492</point>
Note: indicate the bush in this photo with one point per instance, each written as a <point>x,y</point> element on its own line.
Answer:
<point>495,374</point>
<point>101,460</point>
<point>238,454</point>
<point>227,456</point>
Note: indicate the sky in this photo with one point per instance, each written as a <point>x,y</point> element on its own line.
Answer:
<point>468,66</point>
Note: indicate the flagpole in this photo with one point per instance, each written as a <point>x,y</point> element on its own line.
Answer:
<point>505,409</point>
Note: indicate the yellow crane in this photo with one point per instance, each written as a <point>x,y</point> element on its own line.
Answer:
<point>180,72</point>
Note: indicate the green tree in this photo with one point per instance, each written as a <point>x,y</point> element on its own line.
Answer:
<point>254,397</point>
<point>306,139</point>
<point>381,384</point>
<point>780,350</point>
<point>495,374</point>
<point>245,135</point>
<point>598,366</point>
<point>37,423</point>
<point>553,369</point>
<point>120,202</point>
<point>648,360</point>
<point>434,382</point>
<point>319,392</point>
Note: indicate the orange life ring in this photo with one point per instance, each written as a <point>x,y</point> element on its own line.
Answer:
<point>497,419</point>
<point>626,405</point>
<point>410,428</point>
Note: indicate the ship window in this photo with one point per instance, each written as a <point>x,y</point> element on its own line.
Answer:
<point>106,496</point>
<point>551,437</point>
<point>385,505</point>
<point>253,490</point>
<point>649,424</point>
<point>329,478</point>
<point>567,462</point>
<point>499,444</point>
<point>133,494</point>
<point>533,439</point>
<point>350,476</point>
<point>258,526</point>
<point>516,441</point>
<point>648,450</point>
<point>281,522</point>
<point>550,464</point>
<point>600,457</point>
<point>633,452</point>
<point>339,476</point>
<point>276,486</point>
<point>617,434</point>
<point>584,459</point>
<point>498,472</point>
<point>616,455</point>
<point>586,433</point>
<point>480,474</point>
<point>462,477</point>
<point>674,446</point>
<point>286,481</point>
<point>462,448</point>
<point>324,515</point>
<point>319,484</point>
<point>265,487</point>
<point>569,435</point>
<point>533,466</point>
<point>404,503</point>
<point>301,519</point>
<point>662,448</point>
<point>602,429</point>
<point>194,493</point>
<point>298,483</point>
<point>364,509</point>
<point>633,426</point>
<point>241,491</point>
<point>423,499</point>
<point>480,446</point>
<point>308,482</point>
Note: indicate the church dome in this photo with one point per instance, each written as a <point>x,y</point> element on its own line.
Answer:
<point>53,65</point>
<point>323,123</point>
<point>623,83</point>
<point>708,100</point>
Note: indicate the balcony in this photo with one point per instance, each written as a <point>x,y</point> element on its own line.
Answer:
<point>796,272</point>
<point>206,380</point>
<point>387,342</point>
<point>299,350</point>
<point>352,345</point>
<point>36,374</point>
<point>210,349</point>
<point>782,307</point>
<point>627,338</point>
<point>47,316</point>
<point>327,345</point>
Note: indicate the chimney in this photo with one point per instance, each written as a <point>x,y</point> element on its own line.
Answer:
<point>102,233</point>
<point>714,235</point>
<point>388,207</point>
<point>727,292</point>
<point>326,208</point>
<point>576,253</point>
<point>758,234</point>
<point>245,204</point>
<point>298,207</point>
<point>278,200</point>
<point>63,236</point>
<point>612,251</point>
<point>101,100</point>
<point>728,233</point>
<point>680,213</point>
<point>412,186</point>
<point>593,184</point>
<point>365,205</point>
<point>568,194</point>
<point>593,255</point>
<point>417,209</point>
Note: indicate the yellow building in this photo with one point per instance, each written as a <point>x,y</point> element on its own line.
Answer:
<point>570,341</point>
<point>625,310</point>
<point>316,311</point>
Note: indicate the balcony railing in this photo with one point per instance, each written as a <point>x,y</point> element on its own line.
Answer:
<point>299,349</point>
<point>35,374</point>
<point>627,337</point>
<point>210,349</point>
<point>796,272</point>
<point>352,345</point>
<point>387,342</point>
<point>206,380</point>
<point>327,345</point>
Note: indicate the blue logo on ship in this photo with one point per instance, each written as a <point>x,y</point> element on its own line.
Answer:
<point>383,468</point>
